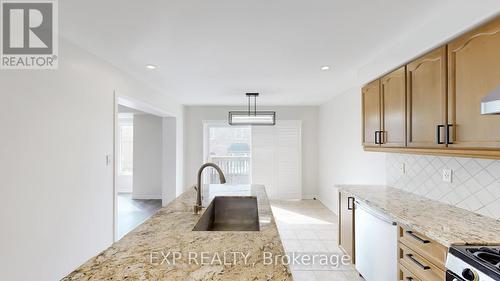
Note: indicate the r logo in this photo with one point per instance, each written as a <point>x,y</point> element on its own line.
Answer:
<point>27,28</point>
<point>29,34</point>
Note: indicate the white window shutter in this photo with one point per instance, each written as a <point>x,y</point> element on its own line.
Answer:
<point>276,159</point>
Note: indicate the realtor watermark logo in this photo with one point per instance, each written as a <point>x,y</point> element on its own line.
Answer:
<point>29,34</point>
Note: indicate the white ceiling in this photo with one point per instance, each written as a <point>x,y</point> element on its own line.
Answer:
<point>212,52</point>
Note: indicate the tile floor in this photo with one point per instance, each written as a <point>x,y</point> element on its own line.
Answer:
<point>133,212</point>
<point>308,227</point>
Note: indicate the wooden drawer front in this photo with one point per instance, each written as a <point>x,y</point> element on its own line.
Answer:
<point>427,248</point>
<point>406,275</point>
<point>419,266</point>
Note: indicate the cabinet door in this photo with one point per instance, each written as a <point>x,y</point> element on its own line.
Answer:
<point>346,224</point>
<point>393,97</point>
<point>473,73</point>
<point>371,113</point>
<point>426,99</point>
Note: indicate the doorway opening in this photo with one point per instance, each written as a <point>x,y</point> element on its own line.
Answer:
<point>266,155</point>
<point>139,186</point>
<point>230,148</point>
<point>145,163</point>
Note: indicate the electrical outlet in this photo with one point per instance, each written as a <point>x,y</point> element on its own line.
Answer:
<point>402,168</point>
<point>447,175</point>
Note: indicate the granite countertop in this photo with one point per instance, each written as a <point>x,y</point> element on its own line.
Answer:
<point>165,248</point>
<point>443,223</point>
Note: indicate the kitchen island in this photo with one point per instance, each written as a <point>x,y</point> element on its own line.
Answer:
<point>165,248</point>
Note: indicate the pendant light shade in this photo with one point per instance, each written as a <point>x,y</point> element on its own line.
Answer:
<point>249,117</point>
<point>260,118</point>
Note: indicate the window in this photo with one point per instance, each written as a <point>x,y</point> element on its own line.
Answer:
<point>126,146</point>
<point>230,148</point>
<point>239,134</point>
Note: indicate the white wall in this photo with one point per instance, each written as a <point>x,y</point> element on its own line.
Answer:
<point>341,156</point>
<point>195,115</point>
<point>56,206</point>
<point>148,154</point>
<point>124,183</point>
<point>170,168</point>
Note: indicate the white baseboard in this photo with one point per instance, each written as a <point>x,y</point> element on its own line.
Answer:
<point>146,196</point>
<point>328,205</point>
<point>309,196</point>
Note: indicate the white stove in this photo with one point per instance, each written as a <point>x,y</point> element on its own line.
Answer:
<point>473,263</point>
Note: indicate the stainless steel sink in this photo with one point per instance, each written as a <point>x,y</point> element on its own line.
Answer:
<point>230,213</point>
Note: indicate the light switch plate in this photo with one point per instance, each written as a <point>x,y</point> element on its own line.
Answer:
<point>447,175</point>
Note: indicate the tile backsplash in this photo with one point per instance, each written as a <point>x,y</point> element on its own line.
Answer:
<point>475,183</point>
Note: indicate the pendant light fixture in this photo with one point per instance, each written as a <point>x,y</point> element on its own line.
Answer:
<point>252,117</point>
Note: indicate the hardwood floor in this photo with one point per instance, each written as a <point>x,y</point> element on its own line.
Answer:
<point>133,212</point>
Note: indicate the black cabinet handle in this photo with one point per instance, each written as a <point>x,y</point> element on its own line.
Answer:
<point>350,203</point>
<point>438,134</point>
<point>419,264</point>
<point>448,134</point>
<point>381,137</point>
<point>378,137</point>
<point>421,240</point>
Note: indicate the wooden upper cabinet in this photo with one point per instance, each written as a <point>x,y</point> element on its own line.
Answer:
<point>371,113</point>
<point>473,73</point>
<point>426,100</point>
<point>393,100</point>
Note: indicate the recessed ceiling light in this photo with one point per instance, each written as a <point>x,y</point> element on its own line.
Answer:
<point>150,66</point>
<point>325,67</point>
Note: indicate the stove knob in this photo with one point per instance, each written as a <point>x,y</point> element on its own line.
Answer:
<point>470,275</point>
